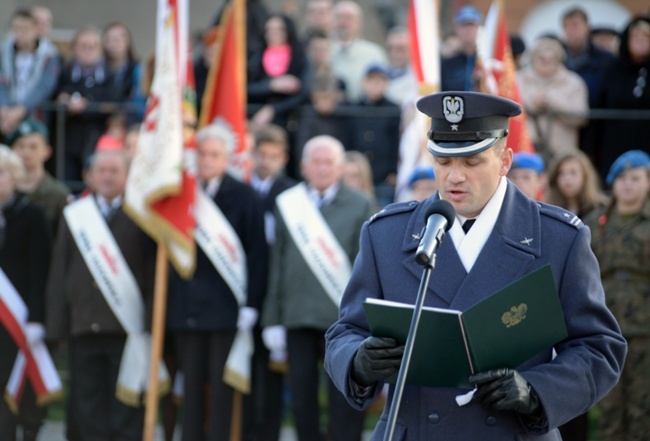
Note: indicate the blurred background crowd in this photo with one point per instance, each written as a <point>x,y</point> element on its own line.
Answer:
<point>70,116</point>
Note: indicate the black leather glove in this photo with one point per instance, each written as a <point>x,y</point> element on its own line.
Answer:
<point>506,389</point>
<point>377,359</point>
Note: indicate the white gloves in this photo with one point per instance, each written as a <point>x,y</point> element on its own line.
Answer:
<point>275,338</point>
<point>34,333</point>
<point>247,318</point>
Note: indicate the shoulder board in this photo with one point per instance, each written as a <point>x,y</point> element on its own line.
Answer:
<point>560,214</point>
<point>401,207</point>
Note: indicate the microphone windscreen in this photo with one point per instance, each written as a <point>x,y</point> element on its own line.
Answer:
<point>443,208</point>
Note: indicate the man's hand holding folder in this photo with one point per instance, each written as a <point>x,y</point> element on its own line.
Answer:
<point>377,359</point>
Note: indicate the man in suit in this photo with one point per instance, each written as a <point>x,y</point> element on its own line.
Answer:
<point>77,309</point>
<point>203,312</point>
<point>264,406</point>
<point>511,236</point>
<point>270,157</point>
<point>316,239</point>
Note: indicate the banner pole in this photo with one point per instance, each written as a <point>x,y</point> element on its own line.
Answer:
<point>157,339</point>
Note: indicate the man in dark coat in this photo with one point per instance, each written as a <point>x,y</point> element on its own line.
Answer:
<point>264,406</point>
<point>25,247</point>
<point>457,70</point>
<point>511,236</point>
<point>203,313</point>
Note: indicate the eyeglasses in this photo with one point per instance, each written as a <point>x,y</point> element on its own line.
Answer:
<point>640,83</point>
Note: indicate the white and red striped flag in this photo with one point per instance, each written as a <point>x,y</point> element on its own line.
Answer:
<point>33,362</point>
<point>161,188</point>
<point>424,31</point>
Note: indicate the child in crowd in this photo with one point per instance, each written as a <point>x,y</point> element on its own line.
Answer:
<point>527,173</point>
<point>573,183</point>
<point>375,132</point>
<point>423,182</point>
<point>29,142</point>
<point>621,242</point>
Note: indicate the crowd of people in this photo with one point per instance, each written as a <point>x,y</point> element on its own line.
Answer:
<point>332,144</point>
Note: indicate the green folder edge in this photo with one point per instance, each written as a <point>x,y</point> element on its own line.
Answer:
<point>445,362</point>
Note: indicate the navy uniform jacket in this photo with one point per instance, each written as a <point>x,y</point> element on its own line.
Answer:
<point>588,362</point>
<point>205,302</point>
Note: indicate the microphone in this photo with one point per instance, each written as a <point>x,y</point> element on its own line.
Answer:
<point>440,217</point>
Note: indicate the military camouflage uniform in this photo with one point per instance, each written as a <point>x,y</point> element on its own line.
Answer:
<point>622,246</point>
<point>52,196</point>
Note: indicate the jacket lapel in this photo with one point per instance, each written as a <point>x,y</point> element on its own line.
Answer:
<point>509,252</point>
<point>448,274</point>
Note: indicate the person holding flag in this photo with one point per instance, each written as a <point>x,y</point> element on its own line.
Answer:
<point>219,304</point>
<point>25,248</point>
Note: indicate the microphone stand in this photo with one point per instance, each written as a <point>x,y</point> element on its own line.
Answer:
<point>408,350</point>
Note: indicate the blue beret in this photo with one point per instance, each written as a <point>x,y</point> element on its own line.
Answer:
<point>376,68</point>
<point>629,159</point>
<point>528,160</point>
<point>421,172</point>
<point>468,14</point>
<point>466,123</point>
<point>27,127</point>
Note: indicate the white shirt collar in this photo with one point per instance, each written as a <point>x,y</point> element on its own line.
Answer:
<point>262,186</point>
<point>106,206</point>
<point>469,245</point>
<point>212,186</point>
<point>328,195</point>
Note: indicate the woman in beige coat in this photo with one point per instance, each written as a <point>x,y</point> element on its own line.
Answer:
<point>555,98</point>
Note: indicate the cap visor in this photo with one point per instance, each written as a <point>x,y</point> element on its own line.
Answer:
<point>468,148</point>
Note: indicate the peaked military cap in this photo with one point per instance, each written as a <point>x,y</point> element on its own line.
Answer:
<point>466,123</point>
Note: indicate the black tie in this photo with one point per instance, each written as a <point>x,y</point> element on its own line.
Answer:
<point>468,224</point>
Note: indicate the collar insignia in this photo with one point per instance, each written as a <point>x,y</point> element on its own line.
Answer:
<point>526,241</point>
<point>419,235</point>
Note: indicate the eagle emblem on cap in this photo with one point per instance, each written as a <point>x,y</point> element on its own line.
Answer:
<point>453,107</point>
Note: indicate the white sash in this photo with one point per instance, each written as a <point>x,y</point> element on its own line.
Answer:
<point>315,240</point>
<point>222,246</point>
<point>33,362</point>
<point>117,284</point>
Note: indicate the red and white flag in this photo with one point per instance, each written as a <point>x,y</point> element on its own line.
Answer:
<point>497,73</point>
<point>161,187</point>
<point>33,362</point>
<point>224,99</point>
<point>424,29</point>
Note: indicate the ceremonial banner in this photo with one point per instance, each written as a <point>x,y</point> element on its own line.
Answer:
<point>497,73</point>
<point>224,99</point>
<point>220,243</point>
<point>117,284</point>
<point>315,241</point>
<point>33,362</point>
<point>161,187</point>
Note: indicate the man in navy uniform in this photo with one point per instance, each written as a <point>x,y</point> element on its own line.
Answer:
<point>511,236</point>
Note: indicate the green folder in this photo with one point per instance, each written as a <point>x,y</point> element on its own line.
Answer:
<point>504,330</point>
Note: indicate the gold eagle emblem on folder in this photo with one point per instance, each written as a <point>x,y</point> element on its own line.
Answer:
<point>515,315</point>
